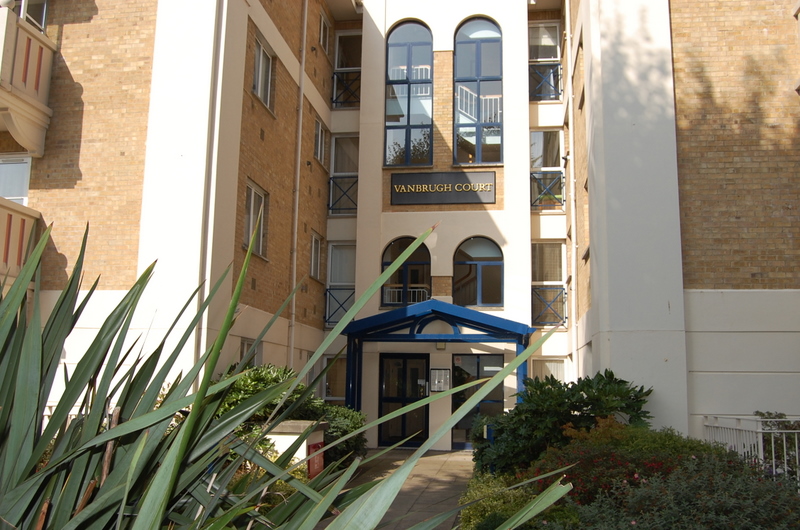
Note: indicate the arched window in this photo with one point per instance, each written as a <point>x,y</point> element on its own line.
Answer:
<point>478,84</point>
<point>478,273</point>
<point>409,96</point>
<point>411,283</point>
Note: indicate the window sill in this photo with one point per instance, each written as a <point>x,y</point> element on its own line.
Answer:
<point>481,165</point>
<point>263,104</point>
<point>264,258</point>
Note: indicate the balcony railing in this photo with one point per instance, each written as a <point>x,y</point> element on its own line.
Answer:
<point>17,222</point>
<point>772,444</point>
<point>346,89</point>
<point>547,190</point>
<point>548,305</point>
<point>396,294</point>
<point>27,62</point>
<point>337,302</point>
<point>544,81</point>
<point>344,195</point>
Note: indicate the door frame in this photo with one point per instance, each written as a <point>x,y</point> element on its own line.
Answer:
<point>403,400</point>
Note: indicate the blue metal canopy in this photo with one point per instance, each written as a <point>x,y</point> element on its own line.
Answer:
<point>407,324</point>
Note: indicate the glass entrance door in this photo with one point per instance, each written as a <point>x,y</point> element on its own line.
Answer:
<point>466,368</point>
<point>404,380</point>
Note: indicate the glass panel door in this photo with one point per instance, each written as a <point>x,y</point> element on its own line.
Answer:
<point>404,380</point>
<point>466,368</point>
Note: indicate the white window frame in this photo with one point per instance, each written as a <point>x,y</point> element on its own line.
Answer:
<point>251,217</point>
<point>552,23</point>
<point>341,174</point>
<point>22,9</point>
<point>324,33</point>
<point>315,270</point>
<point>320,139</point>
<point>23,176</point>
<point>561,282</point>
<point>244,346</point>
<point>264,74</point>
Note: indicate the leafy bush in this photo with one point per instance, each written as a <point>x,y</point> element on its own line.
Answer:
<point>545,407</point>
<point>710,493</point>
<point>341,420</point>
<point>613,453</point>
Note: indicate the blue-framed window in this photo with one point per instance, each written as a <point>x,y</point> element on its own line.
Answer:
<point>411,283</point>
<point>478,86</point>
<point>409,96</point>
<point>478,273</point>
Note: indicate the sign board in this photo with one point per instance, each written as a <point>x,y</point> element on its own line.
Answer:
<point>454,187</point>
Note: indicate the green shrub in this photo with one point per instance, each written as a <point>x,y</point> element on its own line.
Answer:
<point>341,420</point>
<point>545,407</point>
<point>709,493</point>
<point>613,453</point>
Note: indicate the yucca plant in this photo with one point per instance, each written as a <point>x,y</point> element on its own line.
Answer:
<point>118,452</point>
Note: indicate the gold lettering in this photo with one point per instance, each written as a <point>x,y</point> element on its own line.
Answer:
<point>399,188</point>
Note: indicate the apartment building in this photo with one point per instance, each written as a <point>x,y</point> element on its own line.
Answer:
<point>623,171</point>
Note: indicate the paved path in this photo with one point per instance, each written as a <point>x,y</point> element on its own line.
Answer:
<point>434,486</point>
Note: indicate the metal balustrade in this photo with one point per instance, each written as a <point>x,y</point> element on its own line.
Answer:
<point>544,81</point>
<point>393,294</point>
<point>343,195</point>
<point>346,89</point>
<point>338,300</point>
<point>547,190</point>
<point>772,444</point>
<point>548,305</point>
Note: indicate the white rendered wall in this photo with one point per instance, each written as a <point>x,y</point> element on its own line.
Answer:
<point>637,286</point>
<point>742,348</point>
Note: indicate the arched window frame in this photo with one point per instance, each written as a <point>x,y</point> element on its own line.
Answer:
<point>417,138</point>
<point>479,269</point>
<point>478,96</point>
<point>411,283</point>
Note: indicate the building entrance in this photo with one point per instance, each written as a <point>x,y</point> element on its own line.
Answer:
<point>466,368</point>
<point>404,380</point>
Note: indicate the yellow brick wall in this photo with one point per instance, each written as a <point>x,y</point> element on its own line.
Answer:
<point>580,233</point>
<point>267,157</point>
<point>94,149</point>
<point>738,142</point>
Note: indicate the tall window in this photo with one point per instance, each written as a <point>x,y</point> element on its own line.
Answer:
<point>32,11</point>
<point>316,256</point>
<point>478,84</point>
<point>324,33</point>
<point>341,290</point>
<point>256,220</point>
<point>544,62</point>
<point>547,175</point>
<point>264,75</point>
<point>320,140</point>
<point>14,178</point>
<point>411,283</point>
<point>344,176</point>
<point>409,96</point>
<point>478,273</point>
<point>548,291</point>
<point>347,74</point>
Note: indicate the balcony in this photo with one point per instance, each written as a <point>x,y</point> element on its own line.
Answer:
<point>338,300</point>
<point>25,67</point>
<point>343,195</point>
<point>544,82</point>
<point>346,89</point>
<point>395,294</point>
<point>547,190</point>
<point>17,223</point>
<point>548,304</point>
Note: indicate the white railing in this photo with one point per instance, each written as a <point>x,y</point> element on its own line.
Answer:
<point>773,444</point>
<point>393,294</point>
<point>468,101</point>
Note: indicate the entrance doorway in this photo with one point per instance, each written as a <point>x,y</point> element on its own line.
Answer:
<point>466,368</point>
<point>404,380</point>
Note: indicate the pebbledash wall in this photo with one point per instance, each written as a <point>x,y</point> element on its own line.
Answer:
<point>681,154</point>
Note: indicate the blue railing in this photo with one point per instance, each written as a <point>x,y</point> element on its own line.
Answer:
<point>337,301</point>
<point>547,190</point>
<point>548,304</point>
<point>544,81</point>
<point>344,195</point>
<point>346,89</point>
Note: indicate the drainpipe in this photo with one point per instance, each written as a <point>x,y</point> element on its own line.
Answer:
<point>296,188</point>
<point>573,202</point>
<point>208,180</point>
